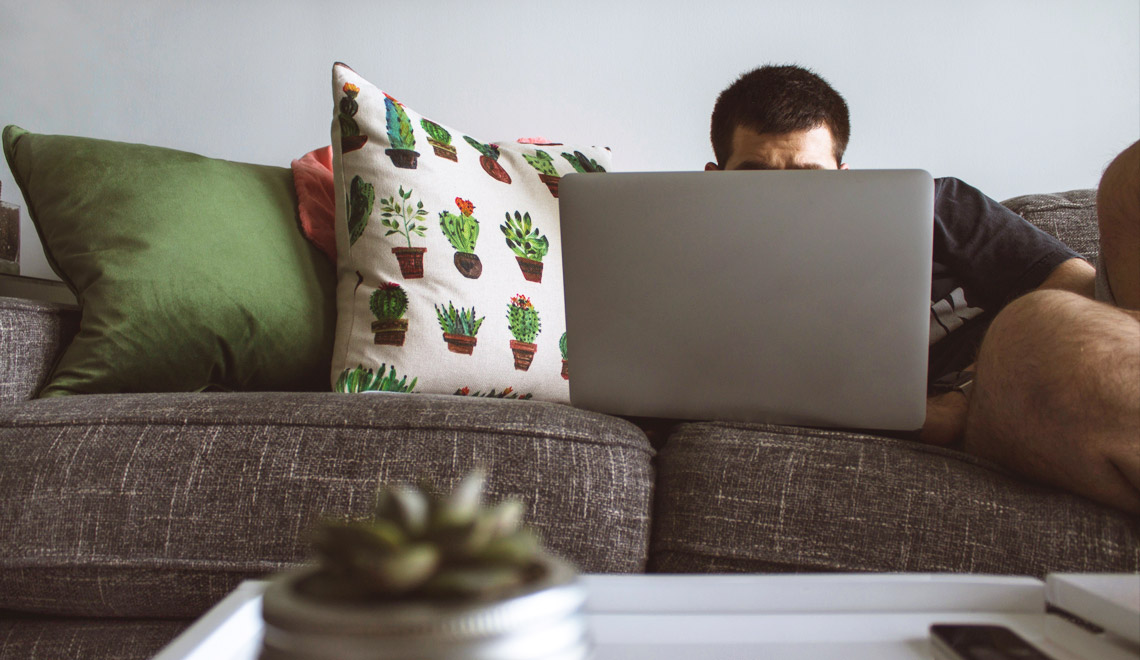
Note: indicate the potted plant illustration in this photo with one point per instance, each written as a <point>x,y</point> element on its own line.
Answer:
<point>388,304</point>
<point>528,244</point>
<point>524,324</point>
<point>490,159</point>
<point>403,219</point>
<point>459,328</point>
<point>350,137</point>
<point>565,360</point>
<point>508,393</point>
<point>400,135</point>
<point>542,162</point>
<point>361,196</point>
<point>462,231</point>
<point>359,379</point>
<point>582,164</point>
<point>440,140</point>
<point>428,576</point>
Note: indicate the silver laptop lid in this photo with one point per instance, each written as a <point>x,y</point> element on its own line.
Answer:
<point>778,296</point>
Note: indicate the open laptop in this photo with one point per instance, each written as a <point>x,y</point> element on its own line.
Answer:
<point>792,297</point>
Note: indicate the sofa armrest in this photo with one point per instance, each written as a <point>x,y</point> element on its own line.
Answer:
<point>32,335</point>
<point>1069,216</point>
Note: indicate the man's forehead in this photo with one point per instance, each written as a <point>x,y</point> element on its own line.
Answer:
<point>807,149</point>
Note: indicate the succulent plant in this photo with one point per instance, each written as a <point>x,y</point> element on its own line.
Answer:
<point>359,379</point>
<point>361,196</point>
<point>420,546</point>
<point>542,162</point>
<point>461,230</point>
<point>388,302</point>
<point>408,217</point>
<point>582,163</point>
<point>525,242</point>
<point>489,150</point>
<point>399,126</point>
<point>522,319</point>
<point>436,132</point>
<point>458,321</point>
<point>348,110</point>
<point>562,345</point>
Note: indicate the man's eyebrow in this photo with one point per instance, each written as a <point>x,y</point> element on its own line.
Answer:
<point>754,165</point>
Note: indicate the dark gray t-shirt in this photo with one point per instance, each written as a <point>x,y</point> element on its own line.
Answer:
<point>984,256</point>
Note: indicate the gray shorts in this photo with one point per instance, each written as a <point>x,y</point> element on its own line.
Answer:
<point>1101,290</point>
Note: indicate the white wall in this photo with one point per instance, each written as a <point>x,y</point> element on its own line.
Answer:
<point>1014,96</point>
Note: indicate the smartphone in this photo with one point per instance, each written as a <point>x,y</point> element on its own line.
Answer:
<point>981,642</point>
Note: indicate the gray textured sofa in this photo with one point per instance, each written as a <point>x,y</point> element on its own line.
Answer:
<point>125,516</point>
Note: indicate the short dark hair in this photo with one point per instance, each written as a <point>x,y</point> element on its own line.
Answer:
<point>779,99</point>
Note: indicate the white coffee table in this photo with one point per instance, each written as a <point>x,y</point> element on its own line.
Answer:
<point>715,617</point>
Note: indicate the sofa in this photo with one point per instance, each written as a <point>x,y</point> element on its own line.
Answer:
<point>125,516</point>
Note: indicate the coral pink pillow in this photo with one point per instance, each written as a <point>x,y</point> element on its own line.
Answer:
<point>313,179</point>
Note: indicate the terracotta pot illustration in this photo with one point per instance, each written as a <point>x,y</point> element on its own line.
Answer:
<point>390,331</point>
<point>551,183</point>
<point>444,150</point>
<point>566,369</point>
<point>352,142</point>
<point>524,353</point>
<point>405,158</point>
<point>462,344</point>
<point>531,269</point>
<point>411,261</point>
<point>492,167</point>
<point>468,264</point>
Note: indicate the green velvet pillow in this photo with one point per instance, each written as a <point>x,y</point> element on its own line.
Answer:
<point>191,272</point>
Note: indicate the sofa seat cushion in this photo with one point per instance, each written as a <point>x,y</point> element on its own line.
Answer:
<point>32,638</point>
<point>736,497</point>
<point>160,504</point>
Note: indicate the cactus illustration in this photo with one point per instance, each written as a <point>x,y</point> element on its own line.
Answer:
<point>565,359</point>
<point>583,164</point>
<point>388,304</point>
<point>359,204</point>
<point>522,318</point>
<point>420,547</point>
<point>400,135</point>
<point>459,328</point>
<point>528,244</point>
<point>489,159</point>
<point>542,162</point>
<point>458,321</point>
<point>524,324</point>
<point>508,393</point>
<point>440,140</point>
<point>462,231</point>
<point>360,379</point>
<point>350,137</point>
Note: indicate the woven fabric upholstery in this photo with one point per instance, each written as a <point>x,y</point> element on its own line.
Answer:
<point>158,505</point>
<point>735,497</point>
<point>32,335</point>
<point>1069,216</point>
<point>24,638</point>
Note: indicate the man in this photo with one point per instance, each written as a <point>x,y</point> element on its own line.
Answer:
<point>1058,375</point>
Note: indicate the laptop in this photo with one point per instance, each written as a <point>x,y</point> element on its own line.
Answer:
<point>789,297</point>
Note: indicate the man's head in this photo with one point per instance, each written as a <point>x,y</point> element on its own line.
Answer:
<point>779,117</point>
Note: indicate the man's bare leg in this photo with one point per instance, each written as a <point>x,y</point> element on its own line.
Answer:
<point>1057,396</point>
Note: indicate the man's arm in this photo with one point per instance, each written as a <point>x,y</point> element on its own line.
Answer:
<point>946,413</point>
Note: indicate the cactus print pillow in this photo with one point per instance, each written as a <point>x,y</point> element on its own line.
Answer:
<point>448,255</point>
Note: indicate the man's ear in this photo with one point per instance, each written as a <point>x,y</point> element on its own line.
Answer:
<point>843,166</point>
<point>711,167</point>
